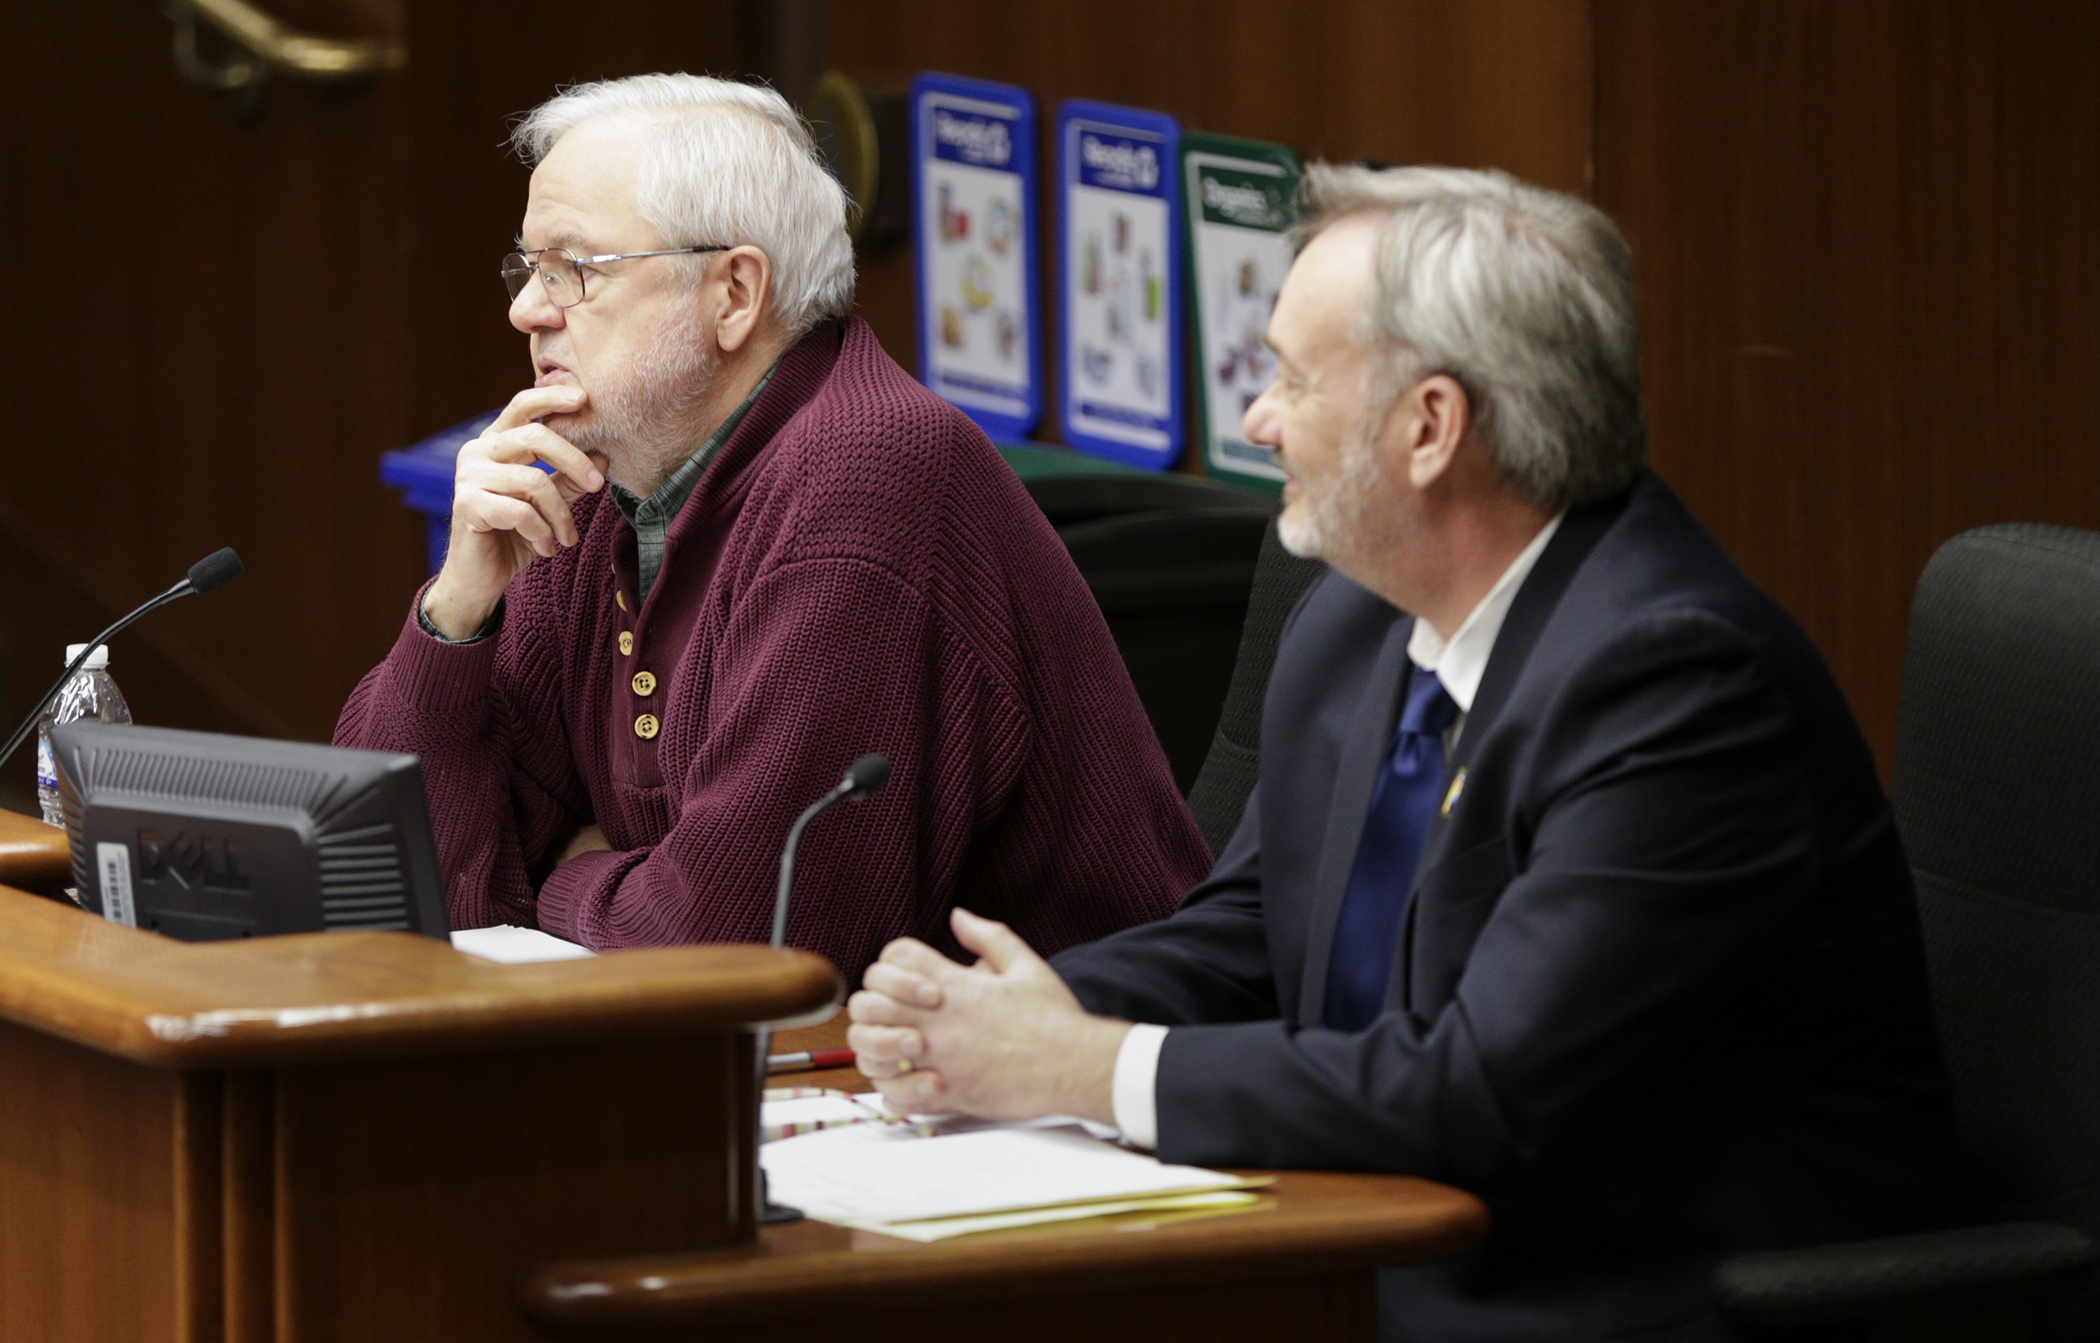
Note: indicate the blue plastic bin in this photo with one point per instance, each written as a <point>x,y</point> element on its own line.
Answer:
<point>423,474</point>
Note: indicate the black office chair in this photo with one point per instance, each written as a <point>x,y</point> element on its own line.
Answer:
<point>1170,558</point>
<point>1068,500</point>
<point>1173,584</point>
<point>1997,793</point>
<point>1234,759</point>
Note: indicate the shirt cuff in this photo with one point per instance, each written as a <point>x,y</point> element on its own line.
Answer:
<point>488,626</point>
<point>1133,1092</point>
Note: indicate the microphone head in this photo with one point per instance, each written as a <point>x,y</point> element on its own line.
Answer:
<point>865,776</point>
<point>215,570</point>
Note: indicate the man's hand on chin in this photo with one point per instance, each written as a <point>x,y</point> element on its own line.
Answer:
<point>1004,1038</point>
<point>506,512</point>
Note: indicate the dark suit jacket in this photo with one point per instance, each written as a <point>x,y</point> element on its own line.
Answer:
<point>1659,995</point>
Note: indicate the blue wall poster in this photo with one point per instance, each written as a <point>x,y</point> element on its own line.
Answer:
<point>1120,369</point>
<point>1240,199</point>
<point>974,238</point>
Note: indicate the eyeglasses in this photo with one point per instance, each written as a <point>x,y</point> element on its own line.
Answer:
<point>561,271</point>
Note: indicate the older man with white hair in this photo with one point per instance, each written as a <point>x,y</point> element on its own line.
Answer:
<point>758,550</point>
<point>1568,878</point>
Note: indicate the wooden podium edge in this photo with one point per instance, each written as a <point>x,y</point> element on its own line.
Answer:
<point>33,855</point>
<point>1324,1222</point>
<point>265,1001</point>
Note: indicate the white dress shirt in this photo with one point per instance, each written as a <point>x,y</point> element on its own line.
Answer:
<point>1459,662</point>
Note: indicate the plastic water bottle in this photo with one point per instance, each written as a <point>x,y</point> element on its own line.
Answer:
<point>90,693</point>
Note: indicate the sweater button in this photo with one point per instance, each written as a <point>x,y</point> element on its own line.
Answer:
<point>626,642</point>
<point>621,598</point>
<point>646,727</point>
<point>645,684</point>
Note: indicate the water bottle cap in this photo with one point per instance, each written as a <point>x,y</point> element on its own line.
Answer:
<point>97,660</point>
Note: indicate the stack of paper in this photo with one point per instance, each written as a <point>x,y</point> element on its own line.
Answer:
<point>784,1112</point>
<point>896,1180</point>
<point>516,946</point>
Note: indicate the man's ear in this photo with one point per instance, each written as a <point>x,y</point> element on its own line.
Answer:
<point>740,287</point>
<point>1438,415</point>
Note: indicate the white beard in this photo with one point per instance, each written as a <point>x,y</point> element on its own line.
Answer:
<point>1335,521</point>
<point>649,421</point>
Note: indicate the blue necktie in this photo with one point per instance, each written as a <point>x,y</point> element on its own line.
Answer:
<point>1403,803</point>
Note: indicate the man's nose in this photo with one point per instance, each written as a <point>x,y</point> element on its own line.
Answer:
<point>1258,425</point>
<point>530,311</point>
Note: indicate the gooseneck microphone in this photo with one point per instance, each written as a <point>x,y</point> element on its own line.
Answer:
<point>864,778</point>
<point>209,574</point>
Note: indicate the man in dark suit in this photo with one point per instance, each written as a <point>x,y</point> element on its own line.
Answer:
<point>1568,878</point>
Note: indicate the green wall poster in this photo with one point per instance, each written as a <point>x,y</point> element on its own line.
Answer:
<point>1239,199</point>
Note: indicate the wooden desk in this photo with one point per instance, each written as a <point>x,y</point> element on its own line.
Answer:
<point>33,855</point>
<point>371,1137</point>
<point>356,1136</point>
<point>1300,1269</point>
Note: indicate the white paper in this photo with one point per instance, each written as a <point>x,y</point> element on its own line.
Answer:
<point>942,1125</point>
<point>890,1173</point>
<point>516,946</point>
<point>836,1108</point>
<point>1165,1205</point>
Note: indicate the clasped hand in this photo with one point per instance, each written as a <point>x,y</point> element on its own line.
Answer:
<point>1003,1039</point>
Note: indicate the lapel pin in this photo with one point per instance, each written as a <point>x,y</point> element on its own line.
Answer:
<point>1458,785</point>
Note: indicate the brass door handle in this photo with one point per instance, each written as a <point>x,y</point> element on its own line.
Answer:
<point>326,60</point>
<point>261,45</point>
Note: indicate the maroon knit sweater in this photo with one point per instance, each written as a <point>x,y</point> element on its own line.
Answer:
<point>856,571</point>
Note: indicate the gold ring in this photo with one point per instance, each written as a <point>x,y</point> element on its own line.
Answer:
<point>903,1066</point>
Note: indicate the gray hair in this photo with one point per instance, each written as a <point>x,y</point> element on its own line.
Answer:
<point>724,163</point>
<point>1525,297</point>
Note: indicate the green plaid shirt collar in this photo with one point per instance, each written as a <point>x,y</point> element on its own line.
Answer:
<point>651,517</point>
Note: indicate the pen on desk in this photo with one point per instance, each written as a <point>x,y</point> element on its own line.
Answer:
<point>879,1110</point>
<point>808,1059</point>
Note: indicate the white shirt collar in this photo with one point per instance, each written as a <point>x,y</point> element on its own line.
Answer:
<point>1460,661</point>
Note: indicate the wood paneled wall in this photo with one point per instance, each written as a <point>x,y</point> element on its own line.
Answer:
<point>1865,232</point>
<point>1500,83</point>
<point>1868,243</point>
